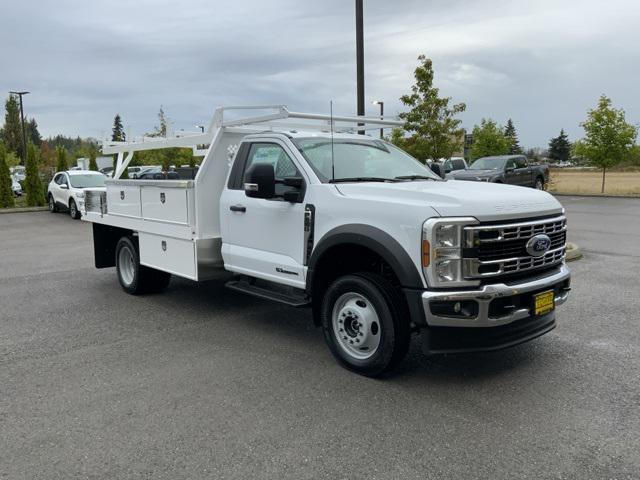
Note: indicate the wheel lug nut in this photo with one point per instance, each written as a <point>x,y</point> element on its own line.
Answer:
<point>361,334</point>
<point>360,325</point>
<point>342,329</point>
<point>344,338</point>
<point>351,342</point>
<point>357,340</point>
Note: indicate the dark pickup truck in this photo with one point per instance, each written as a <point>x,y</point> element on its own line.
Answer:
<point>511,169</point>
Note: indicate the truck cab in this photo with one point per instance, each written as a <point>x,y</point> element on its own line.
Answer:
<point>375,243</point>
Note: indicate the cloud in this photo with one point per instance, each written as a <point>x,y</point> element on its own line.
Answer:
<point>541,63</point>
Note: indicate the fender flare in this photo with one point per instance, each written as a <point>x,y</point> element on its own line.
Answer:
<point>374,239</point>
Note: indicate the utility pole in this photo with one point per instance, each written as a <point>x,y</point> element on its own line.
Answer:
<point>360,59</point>
<point>381,103</point>
<point>24,135</point>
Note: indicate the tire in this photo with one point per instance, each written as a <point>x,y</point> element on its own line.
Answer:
<point>73,210</point>
<point>377,337</point>
<point>134,278</point>
<point>539,185</point>
<point>53,208</point>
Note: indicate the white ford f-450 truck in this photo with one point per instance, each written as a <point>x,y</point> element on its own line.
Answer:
<point>373,241</point>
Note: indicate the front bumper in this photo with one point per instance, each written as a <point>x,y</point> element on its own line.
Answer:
<point>503,314</point>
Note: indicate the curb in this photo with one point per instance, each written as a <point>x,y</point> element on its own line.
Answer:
<point>23,209</point>
<point>573,252</point>
<point>592,195</point>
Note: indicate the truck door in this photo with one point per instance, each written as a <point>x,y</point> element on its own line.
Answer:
<point>523,172</point>
<point>263,238</point>
<point>511,174</point>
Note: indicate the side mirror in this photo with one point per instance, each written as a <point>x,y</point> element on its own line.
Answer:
<point>295,182</point>
<point>437,169</point>
<point>64,186</point>
<point>260,181</point>
<point>448,170</point>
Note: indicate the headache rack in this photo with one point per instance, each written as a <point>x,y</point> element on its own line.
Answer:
<point>500,250</point>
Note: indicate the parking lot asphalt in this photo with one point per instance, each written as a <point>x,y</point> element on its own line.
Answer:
<point>202,382</point>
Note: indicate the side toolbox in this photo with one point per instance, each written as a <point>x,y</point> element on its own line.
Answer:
<point>170,254</point>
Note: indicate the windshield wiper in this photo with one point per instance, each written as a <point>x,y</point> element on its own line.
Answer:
<point>362,179</point>
<point>416,177</point>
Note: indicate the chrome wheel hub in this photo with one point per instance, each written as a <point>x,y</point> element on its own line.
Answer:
<point>356,325</point>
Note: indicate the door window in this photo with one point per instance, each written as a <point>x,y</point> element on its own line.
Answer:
<point>521,163</point>
<point>511,163</point>
<point>60,179</point>
<point>272,154</point>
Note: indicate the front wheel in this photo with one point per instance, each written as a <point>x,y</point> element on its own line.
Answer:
<point>53,208</point>
<point>73,210</point>
<point>365,323</point>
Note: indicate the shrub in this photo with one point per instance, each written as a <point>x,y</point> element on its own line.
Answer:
<point>33,184</point>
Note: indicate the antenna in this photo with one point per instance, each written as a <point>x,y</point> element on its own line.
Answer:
<point>333,165</point>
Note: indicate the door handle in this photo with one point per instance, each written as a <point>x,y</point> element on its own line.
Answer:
<point>238,208</point>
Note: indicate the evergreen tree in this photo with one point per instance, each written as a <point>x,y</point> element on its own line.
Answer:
<point>6,192</point>
<point>93,165</point>
<point>560,148</point>
<point>117,134</point>
<point>510,133</point>
<point>33,184</point>
<point>33,135</point>
<point>489,139</point>
<point>61,156</point>
<point>12,131</point>
<point>433,130</point>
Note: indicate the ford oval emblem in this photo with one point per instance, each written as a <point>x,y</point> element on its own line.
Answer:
<point>538,245</point>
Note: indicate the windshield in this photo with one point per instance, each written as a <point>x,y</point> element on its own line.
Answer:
<point>488,163</point>
<point>88,180</point>
<point>360,159</point>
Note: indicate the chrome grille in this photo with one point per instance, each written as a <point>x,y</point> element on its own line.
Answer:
<point>495,250</point>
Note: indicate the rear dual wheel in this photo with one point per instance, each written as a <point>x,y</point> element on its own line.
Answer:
<point>134,278</point>
<point>365,323</point>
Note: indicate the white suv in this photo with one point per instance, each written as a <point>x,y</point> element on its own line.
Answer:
<point>66,190</point>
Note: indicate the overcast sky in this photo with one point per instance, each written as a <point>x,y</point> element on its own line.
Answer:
<point>542,63</point>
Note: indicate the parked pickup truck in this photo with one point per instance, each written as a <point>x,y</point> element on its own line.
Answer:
<point>371,240</point>
<point>511,169</point>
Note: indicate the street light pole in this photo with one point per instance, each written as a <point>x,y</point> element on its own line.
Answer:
<point>24,135</point>
<point>381,103</point>
<point>360,59</point>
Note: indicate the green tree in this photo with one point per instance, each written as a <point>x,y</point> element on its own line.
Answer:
<point>61,157</point>
<point>117,133</point>
<point>93,165</point>
<point>12,131</point>
<point>6,192</point>
<point>162,128</point>
<point>33,184</point>
<point>489,139</point>
<point>560,147</point>
<point>433,131</point>
<point>608,137</point>
<point>510,133</point>
<point>33,135</point>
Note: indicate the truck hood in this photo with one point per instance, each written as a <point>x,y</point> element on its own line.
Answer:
<point>484,201</point>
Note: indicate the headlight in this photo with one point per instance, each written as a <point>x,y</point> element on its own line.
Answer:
<point>79,194</point>
<point>442,244</point>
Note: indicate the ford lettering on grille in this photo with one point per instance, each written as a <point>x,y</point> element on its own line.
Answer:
<point>538,245</point>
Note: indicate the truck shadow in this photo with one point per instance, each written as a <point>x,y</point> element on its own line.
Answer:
<point>212,302</point>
